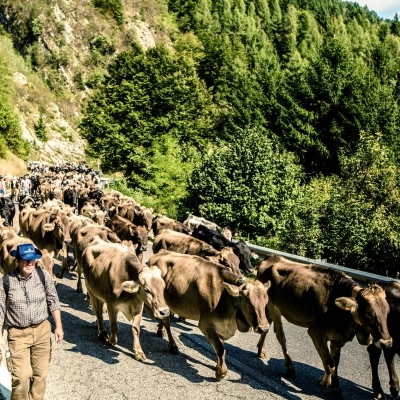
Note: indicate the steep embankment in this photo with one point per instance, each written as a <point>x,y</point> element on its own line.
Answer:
<point>55,54</point>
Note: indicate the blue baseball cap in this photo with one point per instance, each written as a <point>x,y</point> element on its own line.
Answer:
<point>27,252</point>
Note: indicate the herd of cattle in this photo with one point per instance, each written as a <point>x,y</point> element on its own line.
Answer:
<point>198,273</point>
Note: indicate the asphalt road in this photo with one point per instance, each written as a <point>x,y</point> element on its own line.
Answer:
<point>83,367</point>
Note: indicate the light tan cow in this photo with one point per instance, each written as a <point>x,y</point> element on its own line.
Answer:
<point>186,244</point>
<point>81,234</point>
<point>115,277</point>
<point>10,241</point>
<point>198,290</point>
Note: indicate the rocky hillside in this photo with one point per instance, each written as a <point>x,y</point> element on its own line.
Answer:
<point>56,53</point>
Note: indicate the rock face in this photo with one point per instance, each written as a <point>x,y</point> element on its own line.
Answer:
<point>59,37</point>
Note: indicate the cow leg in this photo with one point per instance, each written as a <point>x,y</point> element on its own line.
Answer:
<point>112,315</point>
<point>64,263</point>
<point>374,356</point>
<point>173,348</point>
<point>79,288</point>
<point>276,318</point>
<point>326,358</point>
<point>138,353</point>
<point>97,307</point>
<point>218,345</point>
<point>262,352</point>
<point>335,354</point>
<point>394,380</point>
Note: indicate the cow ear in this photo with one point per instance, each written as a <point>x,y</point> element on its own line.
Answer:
<point>130,286</point>
<point>267,285</point>
<point>347,303</point>
<point>232,290</point>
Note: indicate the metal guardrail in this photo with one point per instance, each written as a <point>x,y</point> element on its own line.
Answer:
<point>359,276</point>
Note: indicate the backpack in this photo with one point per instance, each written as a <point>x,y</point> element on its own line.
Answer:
<point>6,281</point>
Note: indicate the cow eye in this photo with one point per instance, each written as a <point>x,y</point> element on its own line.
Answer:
<point>147,290</point>
<point>248,301</point>
<point>368,314</point>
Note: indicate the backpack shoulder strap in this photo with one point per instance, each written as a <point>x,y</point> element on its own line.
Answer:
<point>41,276</point>
<point>6,284</point>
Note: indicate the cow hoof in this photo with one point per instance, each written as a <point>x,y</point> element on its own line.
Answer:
<point>60,276</point>
<point>262,354</point>
<point>174,350</point>
<point>139,356</point>
<point>181,319</point>
<point>103,335</point>
<point>219,374</point>
<point>381,396</point>
<point>79,290</point>
<point>112,339</point>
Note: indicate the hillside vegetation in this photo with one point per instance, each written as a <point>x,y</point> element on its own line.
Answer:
<point>277,118</point>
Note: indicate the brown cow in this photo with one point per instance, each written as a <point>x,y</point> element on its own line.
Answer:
<point>168,239</point>
<point>161,222</point>
<point>114,276</point>
<point>126,230</point>
<point>165,259</point>
<point>327,302</point>
<point>185,244</point>
<point>49,230</point>
<point>81,233</point>
<point>198,291</point>
<point>10,241</point>
<point>94,213</point>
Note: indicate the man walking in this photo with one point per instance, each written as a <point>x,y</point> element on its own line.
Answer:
<point>26,185</point>
<point>27,295</point>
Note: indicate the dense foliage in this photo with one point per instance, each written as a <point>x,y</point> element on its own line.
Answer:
<point>10,129</point>
<point>282,115</point>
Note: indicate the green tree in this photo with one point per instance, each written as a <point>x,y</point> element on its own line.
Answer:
<point>147,95</point>
<point>248,184</point>
<point>362,225</point>
<point>41,130</point>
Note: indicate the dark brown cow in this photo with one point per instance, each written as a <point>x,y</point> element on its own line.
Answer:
<point>81,233</point>
<point>115,277</point>
<point>126,230</point>
<point>392,290</point>
<point>198,291</point>
<point>327,302</point>
<point>161,222</point>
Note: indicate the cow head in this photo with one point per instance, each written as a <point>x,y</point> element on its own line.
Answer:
<point>251,301</point>
<point>243,252</point>
<point>150,286</point>
<point>227,258</point>
<point>61,228</point>
<point>139,236</point>
<point>370,309</point>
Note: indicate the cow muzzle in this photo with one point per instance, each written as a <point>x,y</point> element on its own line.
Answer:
<point>67,241</point>
<point>162,313</point>
<point>384,344</point>
<point>144,248</point>
<point>262,329</point>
